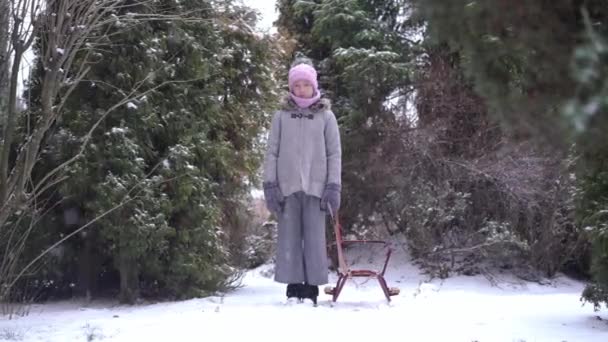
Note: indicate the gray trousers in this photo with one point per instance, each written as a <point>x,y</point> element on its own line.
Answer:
<point>301,249</point>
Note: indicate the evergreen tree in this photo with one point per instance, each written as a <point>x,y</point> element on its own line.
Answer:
<point>364,59</point>
<point>167,166</point>
<point>435,172</point>
<point>524,70</point>
<point>589,112</point>
<point>520,67</point>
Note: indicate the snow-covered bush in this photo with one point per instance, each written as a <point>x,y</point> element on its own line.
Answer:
<point>161,173</point>
<point>260,244</point>
<point>589,113</point>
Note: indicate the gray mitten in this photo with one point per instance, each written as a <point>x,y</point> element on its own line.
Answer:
<point>274,198</point>
<point>331,197</point>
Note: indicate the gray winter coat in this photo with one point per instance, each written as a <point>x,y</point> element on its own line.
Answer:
<point>304,152</point>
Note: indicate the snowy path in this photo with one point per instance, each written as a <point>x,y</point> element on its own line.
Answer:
<point>459,309</point>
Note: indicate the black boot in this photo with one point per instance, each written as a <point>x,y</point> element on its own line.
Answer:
<point>294,291</point>
<point>310,291</point>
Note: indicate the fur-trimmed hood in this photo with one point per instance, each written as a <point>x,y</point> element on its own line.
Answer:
<point>287,104</point>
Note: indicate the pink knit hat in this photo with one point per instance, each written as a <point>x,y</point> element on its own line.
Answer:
<point>308,73</point>
<point>303,72</point>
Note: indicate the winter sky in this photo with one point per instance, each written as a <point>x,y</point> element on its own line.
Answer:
<point>267,12</point>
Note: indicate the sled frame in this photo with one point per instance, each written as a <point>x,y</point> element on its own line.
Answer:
<point>345,272</point>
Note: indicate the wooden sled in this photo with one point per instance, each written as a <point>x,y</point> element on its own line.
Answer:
<point>345,272</point>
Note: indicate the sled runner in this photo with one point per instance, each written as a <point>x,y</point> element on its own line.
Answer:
<point>345,272</point>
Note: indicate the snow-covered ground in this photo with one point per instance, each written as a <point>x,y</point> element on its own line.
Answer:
<point>457,309</point>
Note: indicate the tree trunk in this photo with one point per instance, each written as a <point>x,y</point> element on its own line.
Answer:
<point>129,283</point>
<point>4,37</point>
<point>89,265</point>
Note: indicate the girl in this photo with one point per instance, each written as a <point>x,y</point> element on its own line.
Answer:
<point>302,182</point>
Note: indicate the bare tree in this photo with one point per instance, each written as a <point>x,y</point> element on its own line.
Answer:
<point>68,33</point>
<point>4,37</point>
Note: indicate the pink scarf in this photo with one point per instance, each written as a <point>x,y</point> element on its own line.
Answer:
<point>303,102</point>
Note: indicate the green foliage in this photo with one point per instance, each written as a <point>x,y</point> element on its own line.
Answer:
<point>544,81</point>
<point>520,67</point>
<point>595,294</point>
<point>588,110</point>
<point>593,212</point>
<point>364,60</point>
<point>162,171</point>
<point>446,176</point>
